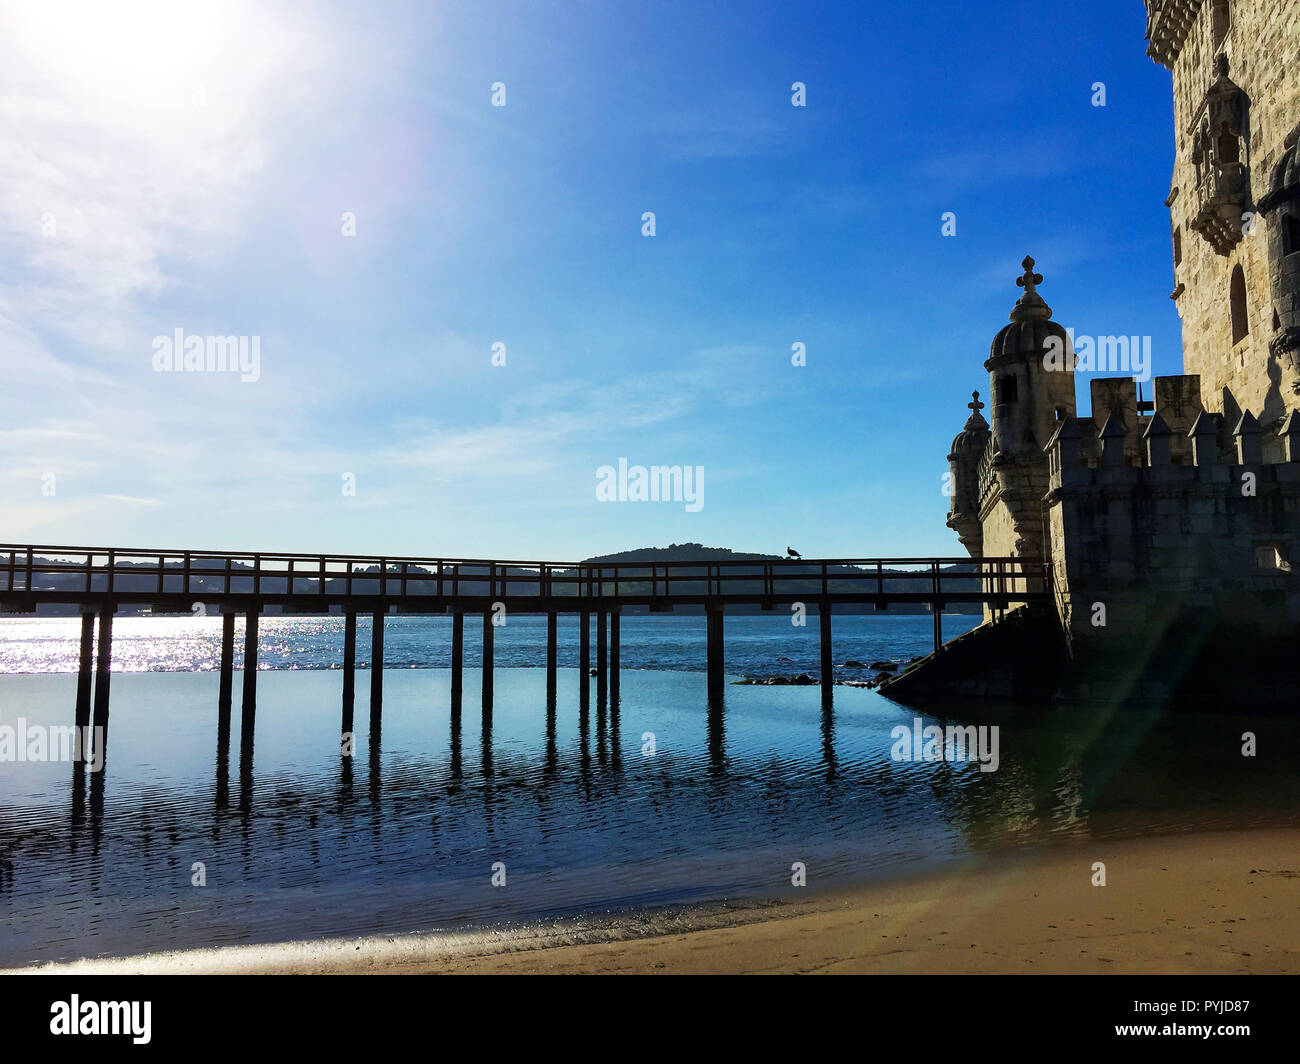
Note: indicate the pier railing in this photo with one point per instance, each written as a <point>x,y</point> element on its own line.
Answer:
<point>101,580</point>
<point>32,573</point>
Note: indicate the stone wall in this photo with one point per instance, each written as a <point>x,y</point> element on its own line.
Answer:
<point>1158,555</point>
<point>1262,47</point>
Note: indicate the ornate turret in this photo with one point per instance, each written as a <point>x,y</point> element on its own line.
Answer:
<point>1281,209</point>
<point>963,471</point>
<point>1219,139</point>
<point>1031,374</point>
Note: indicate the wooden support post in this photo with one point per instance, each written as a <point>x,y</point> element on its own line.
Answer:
<point>613,655</point>
<point>828,674</point>
<point>714,651</point>
<point>377,663</point>
<point>584,656</point>
<point>602,658</point>
<point>349,668</point>
<point>250,662</point>
<point>457,658</point>
<point>248,713</point>
<point>489,633</point>
<point>225,687</point>
<point>552,642</point>
<point>85,675</point>
<point>104,664</point>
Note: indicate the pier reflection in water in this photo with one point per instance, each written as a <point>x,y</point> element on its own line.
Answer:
<point>656,797</point>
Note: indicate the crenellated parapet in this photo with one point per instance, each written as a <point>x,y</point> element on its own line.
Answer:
<point>1154,519</point>
<point>1118,444</point>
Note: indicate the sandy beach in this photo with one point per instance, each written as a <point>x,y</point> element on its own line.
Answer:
<point>1220,903</point>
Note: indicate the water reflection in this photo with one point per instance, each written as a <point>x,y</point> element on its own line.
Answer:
<point>733,790</point>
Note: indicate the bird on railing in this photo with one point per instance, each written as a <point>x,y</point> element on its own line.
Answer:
<point>793,553</point>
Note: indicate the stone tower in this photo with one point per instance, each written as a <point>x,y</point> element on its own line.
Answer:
<point>1233,203</point>
<point>1028,399</point>
<point>1172,527</point>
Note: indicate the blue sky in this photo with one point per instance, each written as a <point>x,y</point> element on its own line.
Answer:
<point>188,166</point>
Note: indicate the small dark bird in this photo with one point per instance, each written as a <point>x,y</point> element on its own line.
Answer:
<point>793,553</point>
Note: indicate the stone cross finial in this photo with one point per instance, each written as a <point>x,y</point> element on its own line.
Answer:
<point>1030,279</point>
<point>975,404</point>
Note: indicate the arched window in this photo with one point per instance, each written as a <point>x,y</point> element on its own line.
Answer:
<point>1240,313</point>
<point>1220,17</point>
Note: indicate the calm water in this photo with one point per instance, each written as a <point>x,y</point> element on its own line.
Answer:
<point>756,644</point>
<point>302,842</point>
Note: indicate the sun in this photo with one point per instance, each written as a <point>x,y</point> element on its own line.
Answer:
<point>136,53</point>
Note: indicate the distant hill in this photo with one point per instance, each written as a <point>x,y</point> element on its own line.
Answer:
<point>679,552</point>
<point>697,552</point>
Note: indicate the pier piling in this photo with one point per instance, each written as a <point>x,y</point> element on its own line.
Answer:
<point>250,661</point>
<point>551,655</point>
<point>602,658</point>
<point>584,656</point>
<point>226,682</point>
<point>84,674</point>
<point>488,647</point>
<point>457,658</point>
<point>349,667</point>
<point>104,664</point>
<point>377,663</point>
<point>248,713</point>
<point>613,655</point>
<point>827,668</point>
<point>714,650</point>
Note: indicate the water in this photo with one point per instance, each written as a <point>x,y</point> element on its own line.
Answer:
<point>755,644</point>
<point>301,842</point>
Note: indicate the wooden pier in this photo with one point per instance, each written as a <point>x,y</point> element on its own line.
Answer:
<point>99,580</point>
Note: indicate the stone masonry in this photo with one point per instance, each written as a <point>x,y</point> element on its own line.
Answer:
<point>1172,526</point>
<point>1233,211</point>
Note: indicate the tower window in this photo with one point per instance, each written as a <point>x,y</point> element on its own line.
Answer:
<point>1290,234</point>
<point>1220,17</point>
<point>1227,148</point>
<point>1007,390</point>
<point>1240,313</point>
<point>1178,246</point>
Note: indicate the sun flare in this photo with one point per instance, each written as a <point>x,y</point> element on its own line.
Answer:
<point>139,53</point>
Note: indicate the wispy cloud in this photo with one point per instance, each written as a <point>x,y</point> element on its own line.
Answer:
<point>127,499</point>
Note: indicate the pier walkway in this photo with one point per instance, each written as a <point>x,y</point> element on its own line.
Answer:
<point>100,580</point>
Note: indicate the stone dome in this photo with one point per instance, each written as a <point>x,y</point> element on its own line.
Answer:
<point>975,433</point>
<point>1031,323</point>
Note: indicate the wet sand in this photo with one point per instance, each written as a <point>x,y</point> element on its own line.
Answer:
<point>1224,902</point>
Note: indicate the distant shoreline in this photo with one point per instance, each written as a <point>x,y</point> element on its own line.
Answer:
<point>1219,902</point>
